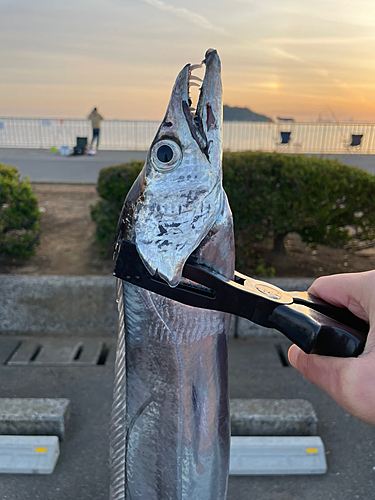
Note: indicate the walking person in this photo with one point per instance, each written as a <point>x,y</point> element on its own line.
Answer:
<point>96,119</point>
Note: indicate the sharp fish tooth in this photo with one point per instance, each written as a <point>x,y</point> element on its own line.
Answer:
<point>195,66</point>
<point>193,84</point>
<point>193,77</point>
<point>192,109</point>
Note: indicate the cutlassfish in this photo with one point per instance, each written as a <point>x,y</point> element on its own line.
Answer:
<point>169,432</point>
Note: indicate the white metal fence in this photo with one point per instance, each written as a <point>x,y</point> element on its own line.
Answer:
<point>318,138</point>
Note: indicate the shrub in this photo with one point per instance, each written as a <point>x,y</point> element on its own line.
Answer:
<point>273,194</point>
<point>113,186</point>
<point>19,215</point>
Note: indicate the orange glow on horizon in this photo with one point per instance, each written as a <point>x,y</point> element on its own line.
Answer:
<point>291,58</point>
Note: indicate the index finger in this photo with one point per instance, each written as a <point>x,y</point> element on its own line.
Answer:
<point>355,291</point>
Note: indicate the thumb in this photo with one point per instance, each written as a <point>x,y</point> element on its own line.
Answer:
<point>333,375</point>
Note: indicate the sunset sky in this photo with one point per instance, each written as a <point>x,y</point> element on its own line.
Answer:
<point>289,58</point>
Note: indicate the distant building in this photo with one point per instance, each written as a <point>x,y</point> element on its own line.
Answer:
<point>243,115</point>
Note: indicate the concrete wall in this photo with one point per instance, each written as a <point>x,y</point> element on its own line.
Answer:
<point>82,306</point>
<point>61,305</point>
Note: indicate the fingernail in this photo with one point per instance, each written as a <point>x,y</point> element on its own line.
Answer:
<point>293,355</point>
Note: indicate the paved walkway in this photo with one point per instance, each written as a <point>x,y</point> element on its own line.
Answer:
<point>43,166</point>
<point>366,162</point>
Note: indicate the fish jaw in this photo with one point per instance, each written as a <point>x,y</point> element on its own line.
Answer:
<point>210,106</point>
<point>182,196</point>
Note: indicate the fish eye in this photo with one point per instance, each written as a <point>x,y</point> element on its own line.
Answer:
<point>166,155</point>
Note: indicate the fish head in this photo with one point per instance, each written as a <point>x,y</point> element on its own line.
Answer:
<point>182,188</point>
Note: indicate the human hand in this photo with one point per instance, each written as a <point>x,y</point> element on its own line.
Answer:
<point>349,381</point>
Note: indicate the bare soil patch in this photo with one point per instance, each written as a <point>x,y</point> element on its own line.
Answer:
<point>303,261</point>
<point>68,246</point>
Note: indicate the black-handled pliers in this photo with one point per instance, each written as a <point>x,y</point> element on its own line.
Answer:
<point>311,323</point>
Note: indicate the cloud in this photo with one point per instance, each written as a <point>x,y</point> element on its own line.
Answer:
<point>321,71</point>
<point>186,14</point>
<point>282,53</point>
<point>320,40</point>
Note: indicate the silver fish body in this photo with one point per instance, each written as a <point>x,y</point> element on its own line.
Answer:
<point>170,420</point>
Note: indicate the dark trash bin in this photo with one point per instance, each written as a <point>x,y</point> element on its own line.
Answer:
<point>81,147</point>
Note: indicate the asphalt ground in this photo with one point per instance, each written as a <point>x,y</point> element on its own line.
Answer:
<point>41,165</point>
<point>256,370</point>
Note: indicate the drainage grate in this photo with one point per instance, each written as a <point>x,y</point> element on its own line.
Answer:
<point>59,352</point>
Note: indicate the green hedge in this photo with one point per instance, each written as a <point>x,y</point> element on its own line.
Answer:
<point>274,193</point>
<point>270,194</point>
<point>113,185</point>
<point>19,215</point>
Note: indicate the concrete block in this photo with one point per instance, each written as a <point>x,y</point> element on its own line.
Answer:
<point>32,416</point>
<point>85,306</point>
<point>272,417</point>
<point>28,454</point>
<point>60,305</point>
<point>277,455</point>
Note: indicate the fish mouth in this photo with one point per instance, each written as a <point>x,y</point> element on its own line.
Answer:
<point>205,121</point>
<point>177,209</point>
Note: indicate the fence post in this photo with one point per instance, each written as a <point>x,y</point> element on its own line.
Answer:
<point>40,134</point>
<point>323,140</point>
